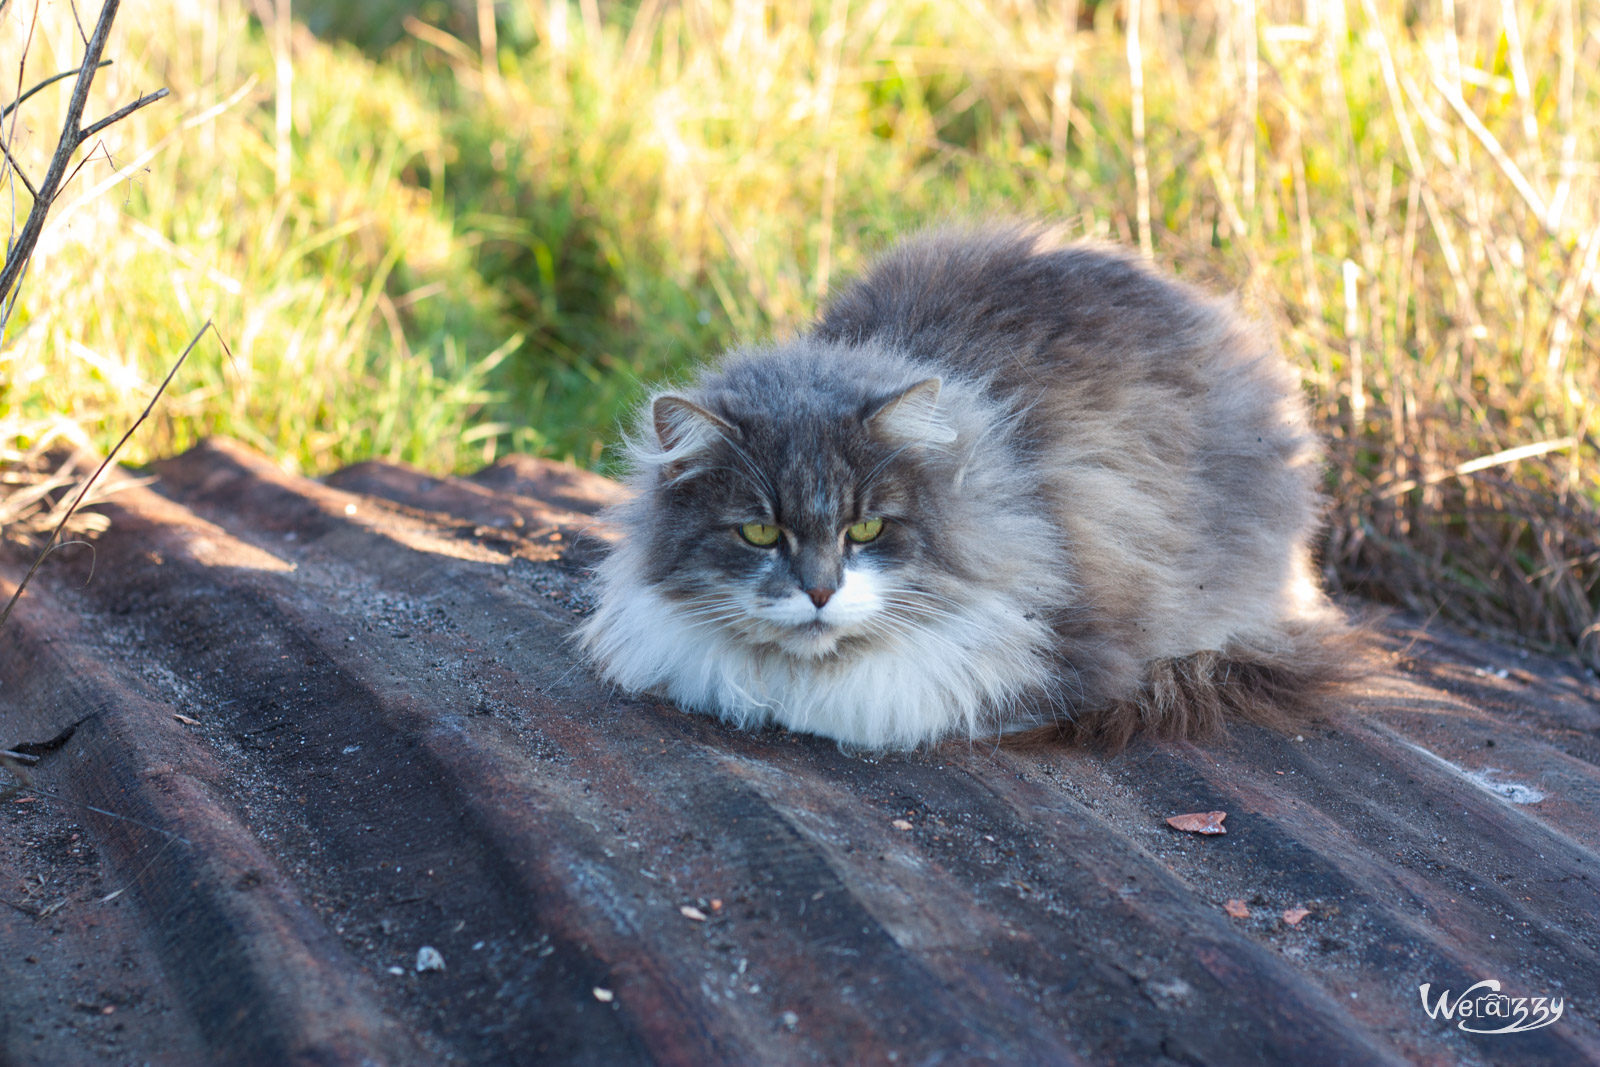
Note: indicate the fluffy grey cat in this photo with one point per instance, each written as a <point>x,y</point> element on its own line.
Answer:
<point>1003,484</point>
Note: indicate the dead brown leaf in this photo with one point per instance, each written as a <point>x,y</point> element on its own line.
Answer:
<point>1199,822</point>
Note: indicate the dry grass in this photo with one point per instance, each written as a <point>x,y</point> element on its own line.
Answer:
<point>1412,197</point>
<point>1410,194</point>
<point>355,320</point>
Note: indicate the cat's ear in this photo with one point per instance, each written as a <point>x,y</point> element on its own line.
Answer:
<point>684,428</point>
<point>912,417</point>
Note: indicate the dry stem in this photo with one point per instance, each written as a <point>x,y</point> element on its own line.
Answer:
<point>72,138</point>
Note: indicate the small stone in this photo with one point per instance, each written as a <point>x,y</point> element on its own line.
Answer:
<point>429,959</point>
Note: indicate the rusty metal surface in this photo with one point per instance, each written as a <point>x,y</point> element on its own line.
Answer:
<point>291,732</point>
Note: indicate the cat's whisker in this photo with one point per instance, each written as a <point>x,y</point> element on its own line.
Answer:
<point>871,477</point>
<point>904,627</point>
<point>753,471</point>
<point>925,610</point>
<point>711,617</point>
<point>920,600</point>
<point>926,623</point>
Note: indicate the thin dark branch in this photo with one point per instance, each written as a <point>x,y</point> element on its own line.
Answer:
<point>94,557</point>
<point>7,306</point>
<point>87,160</point>
<point>18,168</point>
<point>19,101</point>
<point>22,72</point>
<point>122,113</point>
<point>22,248</point>
<point>79,20</point>
<point>83,490</point>
<point>84,162</point>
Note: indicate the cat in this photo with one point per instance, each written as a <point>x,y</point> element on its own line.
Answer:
<point>1004,483</point>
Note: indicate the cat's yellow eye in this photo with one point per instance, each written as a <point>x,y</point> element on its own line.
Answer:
<point>864,531</point>
<point>760,534</point>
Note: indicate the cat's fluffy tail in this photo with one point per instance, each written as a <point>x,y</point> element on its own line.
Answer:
<point>1277,683</point>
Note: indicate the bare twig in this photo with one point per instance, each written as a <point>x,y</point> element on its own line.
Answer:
<point>23,99</point>
<point>19,172</point>
<point>138,162</point>
<point>72,138</point>
<point>76,18</point>
<point>83,490</point>
<point>22,69</point>
<point>122,112</point>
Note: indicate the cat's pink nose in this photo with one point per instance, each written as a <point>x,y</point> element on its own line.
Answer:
<point>819,597</point>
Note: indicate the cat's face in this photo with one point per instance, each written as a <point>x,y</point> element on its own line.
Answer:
<point>804,526</point>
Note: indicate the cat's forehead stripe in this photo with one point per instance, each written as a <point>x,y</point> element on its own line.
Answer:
<point>821,499</point>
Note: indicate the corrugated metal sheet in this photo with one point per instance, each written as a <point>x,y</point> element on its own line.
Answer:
<point>292,732</point>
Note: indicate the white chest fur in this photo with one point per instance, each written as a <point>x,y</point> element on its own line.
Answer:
<point>924,674</point>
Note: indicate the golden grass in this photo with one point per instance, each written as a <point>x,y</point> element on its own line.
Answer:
<point>342,291</point>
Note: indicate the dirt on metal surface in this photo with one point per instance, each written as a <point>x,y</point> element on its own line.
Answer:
<point>292,733</point>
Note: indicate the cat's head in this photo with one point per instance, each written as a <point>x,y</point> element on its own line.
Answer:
<point>794,500</point>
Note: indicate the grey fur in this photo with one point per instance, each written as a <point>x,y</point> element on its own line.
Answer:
<point>1098,486</point>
